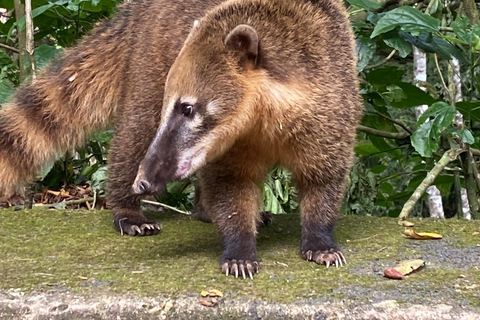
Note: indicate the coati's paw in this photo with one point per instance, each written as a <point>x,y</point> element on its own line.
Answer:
<point>239,268</point>
<point>326,257</point>
<point>135,224</point>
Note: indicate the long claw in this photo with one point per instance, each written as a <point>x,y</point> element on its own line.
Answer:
<point>250,274</point>
<point>342,256</point>
<point>337,258</point>
<point>235,269</point>
<point>242,269</point>
<point>137,229</point>
<point>328,264</point>
<point>309,255</point>
<point>256,266</point>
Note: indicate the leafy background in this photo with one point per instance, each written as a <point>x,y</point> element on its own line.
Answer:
<point>391,160</point>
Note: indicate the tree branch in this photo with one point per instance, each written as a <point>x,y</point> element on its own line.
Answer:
<point>447,157</point>
<point>2,45</point>
<point>404,127</point>
<point>384,134</point>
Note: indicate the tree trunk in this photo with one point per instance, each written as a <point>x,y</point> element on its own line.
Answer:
<point>435,204</point>
<point>22,40</point>
<point>455,88</point>
<point>30,44</point>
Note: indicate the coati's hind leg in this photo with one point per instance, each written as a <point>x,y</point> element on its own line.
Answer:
<point>126,152</point>
<point>232,201</point>
<point>320,203</point>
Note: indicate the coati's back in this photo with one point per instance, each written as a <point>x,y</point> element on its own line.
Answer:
<point>87,86</point>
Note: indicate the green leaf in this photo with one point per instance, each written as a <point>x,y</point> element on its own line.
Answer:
<point>442,112</point>
<point>364,4</point>
<point>393,40</point>
<point>437,118</point>
<point>431,43</point>
<point>466,136</point>
<point>422,141</point>
<point>415,97</point>
<point>365,149</point>
<point>43,54</point>
<point>6,90</point>
<point>408,19</point>
<point>365,51</point>
<point>465,32</point>
<point>383,76</point>
<point>378,169</point>
<point>469,109</point>
<point>386,187</point>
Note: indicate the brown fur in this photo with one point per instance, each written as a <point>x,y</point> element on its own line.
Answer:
<point>116,72</point>
<point>282,75</point>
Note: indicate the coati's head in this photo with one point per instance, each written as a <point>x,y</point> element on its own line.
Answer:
<point>209,102</point>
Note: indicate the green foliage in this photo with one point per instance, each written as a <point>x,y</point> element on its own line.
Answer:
<point>432,122</point>
<point>387,171</point>
<point>407,19</point>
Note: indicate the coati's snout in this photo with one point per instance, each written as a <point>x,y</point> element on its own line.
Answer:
<point>176,151</point>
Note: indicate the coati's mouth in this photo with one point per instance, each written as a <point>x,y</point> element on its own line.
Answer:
<point>190,162</point>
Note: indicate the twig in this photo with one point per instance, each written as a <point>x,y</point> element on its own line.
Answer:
<point>440,72</point>
<point>381,62</point>
<point>404,127</point>
<point>2,45</point>
<point>475,152</point>
<point>384,134</point>
<point>52,205</point>
<point>447,157</point>
<point>166,206</point>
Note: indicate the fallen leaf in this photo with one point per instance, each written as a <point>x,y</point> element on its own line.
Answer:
<point>207,303</point>
<point>403,268</point>
<point>406,224</point>
<point>476,233</point>
<point>408,266</point>
<point>212,293</point>
<point>392,273</point>
<point>421,235</point>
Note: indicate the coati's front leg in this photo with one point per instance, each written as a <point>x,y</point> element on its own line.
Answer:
<point>232,201</point>
<point>126,152</point>
<point>320,203</point>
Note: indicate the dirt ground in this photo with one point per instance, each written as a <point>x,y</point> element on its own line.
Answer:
<point>71,264</point>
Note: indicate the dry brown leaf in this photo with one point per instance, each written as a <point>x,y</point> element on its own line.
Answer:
<point>392,273</point>
<point>212,293</point>
<point>207,303</point>
<point>408,266</point>
<point>421,235</point>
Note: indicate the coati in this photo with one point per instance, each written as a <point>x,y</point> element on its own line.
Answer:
<point>257,83</point>
<point>260,83</point>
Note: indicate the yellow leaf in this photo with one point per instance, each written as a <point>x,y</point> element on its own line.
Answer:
<point>421,235</point>
<point>212,293</point>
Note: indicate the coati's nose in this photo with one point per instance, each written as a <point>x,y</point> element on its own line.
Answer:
<point>141,187</point>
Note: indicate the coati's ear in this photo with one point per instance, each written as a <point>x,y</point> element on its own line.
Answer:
<point>243,39</point>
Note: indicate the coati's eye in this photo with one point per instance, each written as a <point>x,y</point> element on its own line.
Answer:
<point>187,109</point>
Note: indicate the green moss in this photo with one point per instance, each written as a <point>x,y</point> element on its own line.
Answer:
<point>80,251</point>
